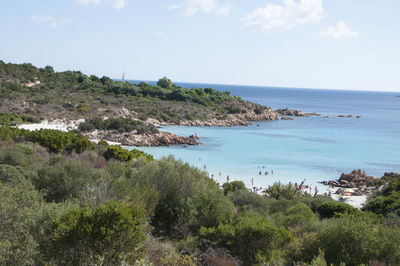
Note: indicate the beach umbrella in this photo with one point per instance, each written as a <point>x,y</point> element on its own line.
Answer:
<point>348,190</point>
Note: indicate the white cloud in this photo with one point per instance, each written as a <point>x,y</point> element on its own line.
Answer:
<point>224,10</point>
<point>340,31</point>
<point>284,17</point>
<point>53,25</point>
<point>159,33</point>
<point>88,2</point>
<point>44,19</point>
<point>51,21</point>
<point>189,8</point>
<point>117,4</point>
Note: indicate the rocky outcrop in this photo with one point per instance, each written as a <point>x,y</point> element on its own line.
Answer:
<point>150,139</point>
<point>349,116</point>
<point>392,174</point>
<point>364,183</point>
<point>231,120</point>
<point>288,112</point>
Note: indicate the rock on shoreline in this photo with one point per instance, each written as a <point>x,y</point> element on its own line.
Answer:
<point>133,139</point>
<point>288,112</point>
<point>357,179</point>
<point>241,119</point>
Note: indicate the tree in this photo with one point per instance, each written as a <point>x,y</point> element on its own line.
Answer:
<point>233,186</point>
<point>111,234</point>
<point>164,83</point>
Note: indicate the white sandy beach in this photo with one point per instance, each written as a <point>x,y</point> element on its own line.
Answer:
<point>62,125</point>
<point>355,201</point>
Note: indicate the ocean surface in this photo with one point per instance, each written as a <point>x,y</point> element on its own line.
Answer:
<point>312,149</point>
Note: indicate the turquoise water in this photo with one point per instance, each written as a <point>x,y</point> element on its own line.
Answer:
<point>314,148</point>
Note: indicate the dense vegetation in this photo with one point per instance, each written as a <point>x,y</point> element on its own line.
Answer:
<point>7,119</point>
<point>118,124</point>
<point>100,206</point>
<point>45,93</point>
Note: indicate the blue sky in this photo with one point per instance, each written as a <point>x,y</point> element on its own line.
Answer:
<point>331,44</point>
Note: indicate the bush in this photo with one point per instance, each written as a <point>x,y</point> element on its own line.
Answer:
<point>233,186</point>
<point>348,240</point>
<point>331,209</point>
<point>250,201</point>
<point>11,119</point>
<point>384,205</point>
<point>296,215</point>
<point>20,155</point>
<point>56,141</point>
<point>188,198</point>
<point>64,179</point>
<point>19,208</point>
<point>118,153</point>
<point>278,191</point>
<point>110,234</point>
<point>251,237</point>
<point>13,174</point>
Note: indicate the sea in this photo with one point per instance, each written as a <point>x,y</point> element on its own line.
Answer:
<point>309,149</point>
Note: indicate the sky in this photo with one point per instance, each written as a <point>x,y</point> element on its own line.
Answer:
<point>325,44</point>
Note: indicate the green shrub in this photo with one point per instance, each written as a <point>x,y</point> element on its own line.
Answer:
<point>233,186</point>
<point>111,234</point>
<point>20,155</point>
<point>13,174</point>
<point>331,209</point>
<point>64,179</point>
<point>279,190</point>
<point>296,215</point>
<point>188,198</point>
<point>250,201</point>
<point>118,153</point>
<point>251,237</point>
<point>384,204</point>
<point>11,119</point>
<point>56,141</point>
<point>348,240</point>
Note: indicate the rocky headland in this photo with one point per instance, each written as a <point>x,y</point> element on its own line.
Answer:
<point>148,139</point>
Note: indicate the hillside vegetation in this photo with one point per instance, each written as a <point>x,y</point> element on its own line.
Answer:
<point>44,93</point>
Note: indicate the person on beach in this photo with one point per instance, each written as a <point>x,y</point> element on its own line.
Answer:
<point>227,178</point>
<point>212,176</point>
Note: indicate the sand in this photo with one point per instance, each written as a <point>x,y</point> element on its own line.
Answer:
<point>62,125</point>
<point>355,201</point>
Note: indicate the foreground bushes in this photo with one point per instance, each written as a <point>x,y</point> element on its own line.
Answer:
<point>251,237</point>
<point>56,141</point>
<point>78,208</point>
<point>110,234</point>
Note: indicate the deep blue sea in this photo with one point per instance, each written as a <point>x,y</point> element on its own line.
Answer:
<point>313,148</point>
